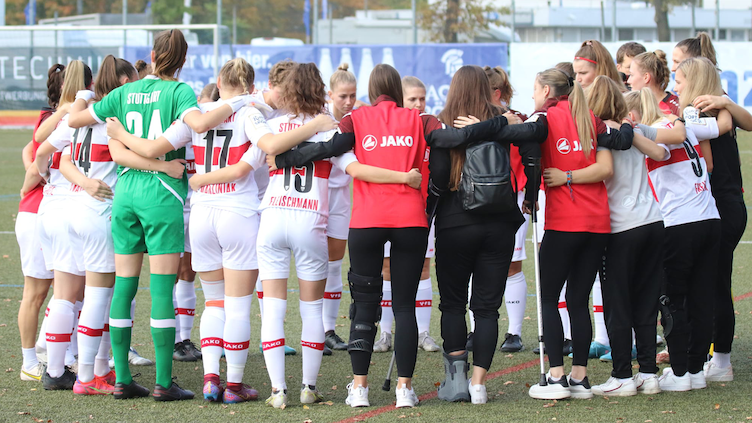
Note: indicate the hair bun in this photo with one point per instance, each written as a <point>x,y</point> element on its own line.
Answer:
<point>343,67</point>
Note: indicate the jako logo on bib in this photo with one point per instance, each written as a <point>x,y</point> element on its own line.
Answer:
<point>563,146</point>
<point>369,142</point>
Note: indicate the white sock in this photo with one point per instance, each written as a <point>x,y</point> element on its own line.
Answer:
<point>29,358</point>
<point>564,313</point>
<point>273,340</point>
<point>77,307</point>
<point>601,334</point>
<point>423,305</point>
<point>722,360</point>
<point>387,315</point>
<point>515,298</point>
<point>212,325</point>
<point>237,335</point>
<point>59,329</point>
<point>260,296</point>
<point>91,327</point>
<point>101,361</point>
<point>470,312</point>
<point>311,339</point>
<point>42,338</point>
<point>186,296</point>
<point>332,295</point>
<point>178,336</point>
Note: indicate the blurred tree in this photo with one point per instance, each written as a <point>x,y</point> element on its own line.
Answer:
<point>445,20</point>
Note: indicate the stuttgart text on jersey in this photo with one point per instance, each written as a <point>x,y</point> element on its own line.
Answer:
<point>143,98</point>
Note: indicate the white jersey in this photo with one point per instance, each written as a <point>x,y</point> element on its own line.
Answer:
<point>264,107</point>
<point>90,153</point>
<point>681,183</point>
<point>338,178</point>
<point>228,143</point>
<point>305,187</point>
<point>59,138</point>
<point>630,199</point>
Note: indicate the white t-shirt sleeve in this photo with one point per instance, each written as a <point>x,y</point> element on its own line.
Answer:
<point>61,136</point>
<point>344,160</point>
<point>178,134</point>
<point>254,157</point>
<point>256,125</point>
<point>704,128</point>
<point>66,150</point>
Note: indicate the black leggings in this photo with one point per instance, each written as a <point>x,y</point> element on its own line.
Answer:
<point>733,222</point>
<point>574,257</point>
<point>485,251</point>
<point>631,280</point>
<point>690,261</point>
<point>407,255</point>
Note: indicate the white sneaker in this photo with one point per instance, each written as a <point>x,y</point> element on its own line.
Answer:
<point>74,367</point>
<point>580,390</point>
<point>135,358</point>
<point>553,390</point>
<point>34,374</point>
<point>310,396</point>
<point>616,388</point>
<point>384,343</point>
<point>648,385</point>
<point>713,373</point>
<point>673,383</point>
<point>357,396</point>
<point>277,399</point>
<point>426,342</point>
<point>41,354</point>
<point>478,393</point>
<point>697,380</point>
<point>659,340</point>
<point>406,397</point>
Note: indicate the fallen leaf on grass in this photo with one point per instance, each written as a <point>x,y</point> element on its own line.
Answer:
<point>588,408</point>
<point>509,356</point>
<point>717,407</point>
<point>3,325</point>
<point>283,406</point>
<point>334,388</point>
<point>328,403</point>
<point>668,412</point>
<point>338,325</point>
<point>402,416</point>
<point>8,370</point>
<point>509,382</point>
<point>23,413</point>
<point>526,318</point>
<point>305,407</point>
<point>307,421</point>
<point>648,421</point>
<point>232,412</point>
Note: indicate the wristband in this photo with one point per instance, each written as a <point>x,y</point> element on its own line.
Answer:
<point>239,101</point>
<point>678,120</point>
<point>85,95</point>
<point>569,184</point>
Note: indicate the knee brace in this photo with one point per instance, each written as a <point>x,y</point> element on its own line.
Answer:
<point>365,310</point>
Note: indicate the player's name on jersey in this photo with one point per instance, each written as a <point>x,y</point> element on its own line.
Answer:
<point>218,188</point>
<point>294,202</point>
<point>143,98</point>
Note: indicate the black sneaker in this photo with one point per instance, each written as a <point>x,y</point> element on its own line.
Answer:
<point>190,347</point>
<point>327,350</point>
<point>181,353</point>
<point>334,342</point>
<point>173,393</point>
<point>131,390</point>
<point>512,343</point>
<point>469,342</point>
<point>567,347</point>
<point>63,383</point>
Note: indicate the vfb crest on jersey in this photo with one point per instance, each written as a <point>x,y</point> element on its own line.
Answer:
<point>564,146</point>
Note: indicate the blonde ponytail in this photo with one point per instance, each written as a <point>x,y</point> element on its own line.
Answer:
<point>77,77</point>
<point>582,119</point>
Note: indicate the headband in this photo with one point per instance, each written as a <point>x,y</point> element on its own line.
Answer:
<point>585,59</point>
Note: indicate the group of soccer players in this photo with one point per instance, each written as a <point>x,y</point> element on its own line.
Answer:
<point>214,188</point>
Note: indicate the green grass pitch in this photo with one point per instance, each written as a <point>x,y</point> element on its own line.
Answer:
<point>508,398</point>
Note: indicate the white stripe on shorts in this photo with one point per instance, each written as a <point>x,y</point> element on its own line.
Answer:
<point>162,323</point>
<point>121,323</point>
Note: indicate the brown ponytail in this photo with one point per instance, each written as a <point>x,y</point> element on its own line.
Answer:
<point>55,84</point>
<point>385,80</point>
<point>110,73</point>
<point>499,80</point>
<point>279,71</point>
<point>170,49</point>
<point>238,73</point>
<point>592,51</point>
<point>606,100</point>
<point>304,92</point>
<point>699,46</point>
<point>142,68</point>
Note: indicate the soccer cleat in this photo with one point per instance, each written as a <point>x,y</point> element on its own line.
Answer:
<point>426,342</point>
<point>553,390</point>
<point>597,349</point>
<point>245,394</point>
<point>616,387</point>
<point>607,358</point>
<point>469,342</point>
<point>173,393</point>
<point>97,386</point>
<point>357,397</point>
<point>580,390</point>
<point>659,340</point>
<point>663,357</point>
<point>277,399</point>
<point>191,348</point>
<point>288,350</point>
<point>327,350</point>
<point>406,397</point>
<point>182,353</point>
<point>697,380</point>
<point>63,383</point>
<point>512,343</point>
<point>384,343</point>
<point>34,374</point>
<point>673,383</point>
<point>566,348</point>
<point>213,391</point>
<point>109,377</point>
<point>136,359</point>
<point>131,390</point>
<point>478,394</point>
<point>310,395</point>
<point>713,373</point>
<point>333,341</point>
<point>647,383</point>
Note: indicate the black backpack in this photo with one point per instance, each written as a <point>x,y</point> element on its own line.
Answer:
<point>486,182</point>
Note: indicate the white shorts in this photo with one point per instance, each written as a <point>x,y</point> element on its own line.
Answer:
<point>338,226</point>
<point>222,239</point>
<point>430,249</point>
<point>541,215</point>
<point>186,229</point>
<point>32,259</point>
<point>92,230</point>
<point>519,237</point>
<point>300,232</point>
<point>58,247</point>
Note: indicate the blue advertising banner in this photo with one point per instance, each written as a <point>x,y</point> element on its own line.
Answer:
<point>434,64</point>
